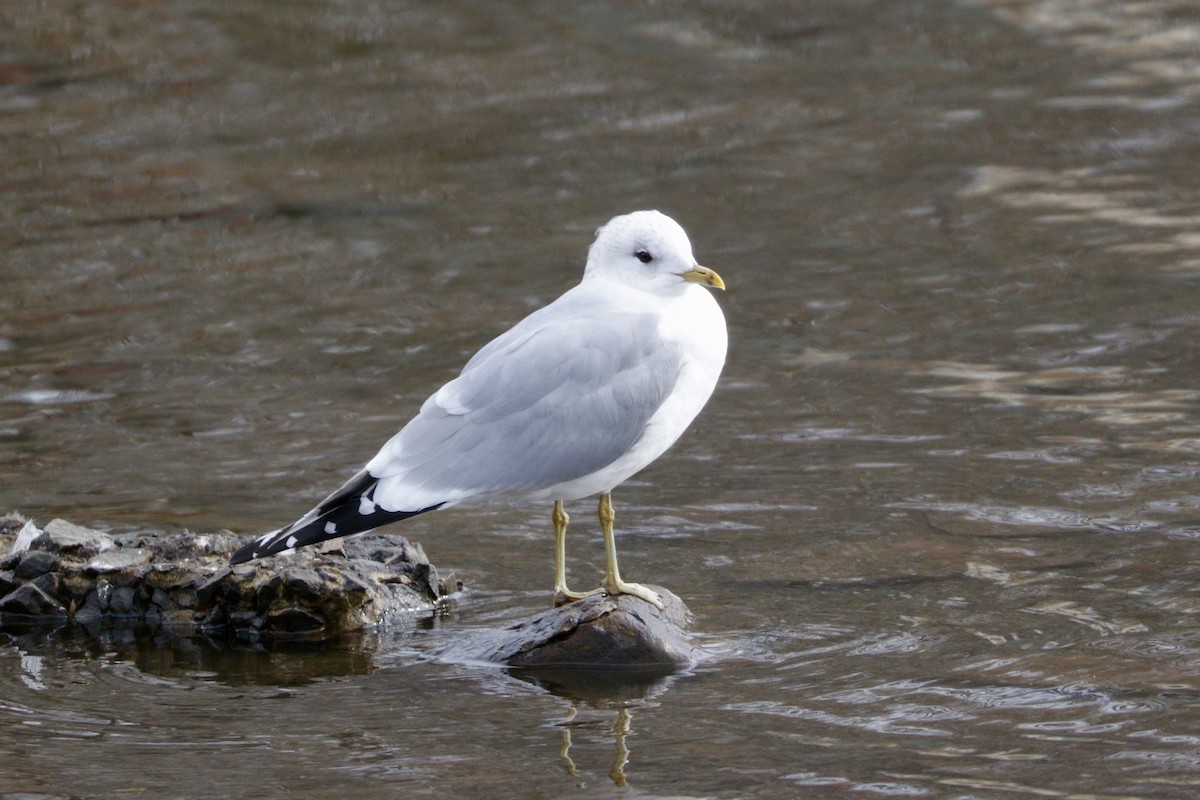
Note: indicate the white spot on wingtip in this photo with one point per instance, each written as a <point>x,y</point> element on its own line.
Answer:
<point>330,528</point>
<point>291,542</point>
<point>366,505</point>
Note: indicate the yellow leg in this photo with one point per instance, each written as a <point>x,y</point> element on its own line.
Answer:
<point>562,594</point>
<point>620,731</point>
<point>613,584</point>
<point>564,752</point>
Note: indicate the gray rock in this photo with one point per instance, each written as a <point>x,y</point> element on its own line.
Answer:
<point>50,583</point>
<point>60,536</point>
<point>596,632</point>
<point>34,563</point>
<point>295,622</point>
<point>11,523</point>
<point>88,613</point>
<point>123,602</point>
<point>116,560</point>
<point>29,601</point>
<point>104,591</point>
<point>184,581</point>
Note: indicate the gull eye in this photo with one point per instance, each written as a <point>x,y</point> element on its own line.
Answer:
<point>644,256</point>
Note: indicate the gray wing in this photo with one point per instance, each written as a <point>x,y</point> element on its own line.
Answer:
<point>557,397</point>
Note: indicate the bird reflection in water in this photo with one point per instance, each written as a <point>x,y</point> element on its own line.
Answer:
<point>621,728</point>
<point>600,691</point>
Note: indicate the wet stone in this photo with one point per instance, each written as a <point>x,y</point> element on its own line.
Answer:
<point>183,582</point>
<point>8,582</point>
<point>89,614</point>
<point>122,602</point>
<point>68,538</point>
<point>598,632</point>
<point>11,523</point>
<point>28,601</point>
<point>50,583</point>
<point>116,560</point>
<point>303,584</point>
<point>34,563</point>
<point>295,621</point>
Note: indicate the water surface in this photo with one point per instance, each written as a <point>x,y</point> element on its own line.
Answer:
<point>938,524</point>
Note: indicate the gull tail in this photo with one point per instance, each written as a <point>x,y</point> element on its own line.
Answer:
<point>351,509</point>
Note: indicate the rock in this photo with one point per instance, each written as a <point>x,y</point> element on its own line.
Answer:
<point>88,614</point>
<point>598,632</point>
<point>183,582</point>
<point>50,583</point>
<point>117,560</point>
<point>29,601</point>
<point>61,536</point>
<point>122,602</point>
<point>294,621</point>
<point>35,563</point>
<point>11,523</point>
<point>316,594</point>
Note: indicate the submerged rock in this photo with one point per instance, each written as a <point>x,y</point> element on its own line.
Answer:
<point>70,573</point>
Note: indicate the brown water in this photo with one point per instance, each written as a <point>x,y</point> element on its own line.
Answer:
<point>938,525</point>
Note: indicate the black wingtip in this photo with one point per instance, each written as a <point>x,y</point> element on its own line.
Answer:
<point>344,520</point>
<point>244,553</point>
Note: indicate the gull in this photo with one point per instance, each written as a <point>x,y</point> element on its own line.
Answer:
<point>568,403</point>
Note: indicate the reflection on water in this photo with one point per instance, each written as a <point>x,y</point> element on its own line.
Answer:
<point>937,527</point>
<point>621,729</point>
<point>174,657</point>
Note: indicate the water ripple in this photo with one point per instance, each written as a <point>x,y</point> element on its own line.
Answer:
<point>877,724</point>
<point>55,397</point>
<point>1042,517</point>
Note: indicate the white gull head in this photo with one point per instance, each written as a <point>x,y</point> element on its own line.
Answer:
<point>646,250</point>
